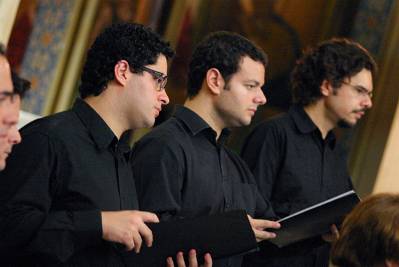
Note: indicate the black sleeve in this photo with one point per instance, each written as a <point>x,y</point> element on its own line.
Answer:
<point>262,152</point>
<point>158,173</point>
<point>28,225</point>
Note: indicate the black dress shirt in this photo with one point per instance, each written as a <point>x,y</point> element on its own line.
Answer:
<point>68,168</point>
<point>295,168</point>
<point>182,171</point>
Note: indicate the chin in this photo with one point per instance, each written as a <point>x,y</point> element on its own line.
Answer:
<point>246,121</point>
<point>2,164</point>
<point>150,123</point>
<point>345,124</point>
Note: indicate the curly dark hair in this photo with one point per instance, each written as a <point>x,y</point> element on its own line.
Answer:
<point>221,50</point>
<point>135,43</point>
<point>21,85</point>
<point>332,60</point>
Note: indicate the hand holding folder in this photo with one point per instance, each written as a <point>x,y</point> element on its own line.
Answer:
<point>315,220</point>
<point>221,235</point>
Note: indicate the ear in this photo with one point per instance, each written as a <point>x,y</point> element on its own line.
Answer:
<point>121,72</point>
<point>326,88</point>
<point>214,81</point>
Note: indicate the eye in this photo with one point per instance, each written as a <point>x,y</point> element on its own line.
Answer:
<point>360,90</point>
<point>250,86</point>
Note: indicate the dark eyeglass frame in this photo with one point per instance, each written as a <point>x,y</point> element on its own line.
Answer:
<point>360,90</point>
<point>161,78</point>
<point>7,95</point>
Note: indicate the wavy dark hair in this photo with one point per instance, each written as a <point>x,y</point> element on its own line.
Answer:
<point>20,84</point>
<point>221,50</point>
<point>332,60</point>
<point>135,43</point>
<point>369,234</point>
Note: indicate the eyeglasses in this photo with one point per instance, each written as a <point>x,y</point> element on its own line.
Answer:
<point>5,95</point>
<point>161,78</point>
<point>361,91</point>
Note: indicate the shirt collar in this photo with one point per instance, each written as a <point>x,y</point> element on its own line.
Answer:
<point>305,125</point>
<point>196,124</point>
<point>301,119</point>
<point>101,134</point>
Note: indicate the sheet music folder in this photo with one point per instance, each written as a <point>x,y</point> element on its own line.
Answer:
<point>315,220</point>
<point>222,235</point>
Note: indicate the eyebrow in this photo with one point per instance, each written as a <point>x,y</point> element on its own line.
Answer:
<point>253,81</point>
<point>363,88</point>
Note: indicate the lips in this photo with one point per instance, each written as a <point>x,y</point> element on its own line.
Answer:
<point>253,110</point>
<point>359,113</point>
<point>157,111</point>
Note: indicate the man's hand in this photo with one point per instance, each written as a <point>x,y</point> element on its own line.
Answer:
<point>332,236</point>
<point>259,226</point>
<point>192,260</point>
<point>128,228</point>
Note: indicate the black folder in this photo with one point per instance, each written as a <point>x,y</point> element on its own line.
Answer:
<point>315,220</point>
<point>222,235</point>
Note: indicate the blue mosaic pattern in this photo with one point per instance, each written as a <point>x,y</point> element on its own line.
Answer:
<point>370,23</point>
<point>44,50</point>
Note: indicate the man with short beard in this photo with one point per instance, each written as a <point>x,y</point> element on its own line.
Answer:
<point>67,195</point>
<point>295,157</point>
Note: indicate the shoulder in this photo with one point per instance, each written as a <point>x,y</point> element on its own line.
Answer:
<point>167,137</point>
<point>54,126</point>
<point>274,128</point>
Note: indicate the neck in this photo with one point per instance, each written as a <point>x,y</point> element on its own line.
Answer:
<point>109,111</point>
<point>318,115</point>
<point>203,107</point>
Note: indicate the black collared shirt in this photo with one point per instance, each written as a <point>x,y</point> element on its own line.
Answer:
<point>295,168</point>
<point>182,171</point>
<point>68,168</point>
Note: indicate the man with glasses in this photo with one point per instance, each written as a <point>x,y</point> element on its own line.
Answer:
<point>9,109</point>
<point>295,157</point>
<point>67,194</point>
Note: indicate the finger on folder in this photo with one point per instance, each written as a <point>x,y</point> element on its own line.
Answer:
<point>191,262</point>
<point>332,236</point>
<point>259,226</point>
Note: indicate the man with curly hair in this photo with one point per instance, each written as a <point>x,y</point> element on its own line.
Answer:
<point>67,194</point>
<point>295,157</point>
<point>183,168</point>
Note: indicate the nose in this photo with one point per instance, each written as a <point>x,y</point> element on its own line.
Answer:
<point>14,136</point>
<point>367,102</point>
<point>260,98</point>
<point>163,97</point>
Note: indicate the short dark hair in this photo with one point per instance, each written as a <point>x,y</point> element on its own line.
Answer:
<point>20,84</point>
<point>221,50</point>
<point>135,43</point>
<point>2,49</point>
<point>332,60</point>
<point>369,234</point>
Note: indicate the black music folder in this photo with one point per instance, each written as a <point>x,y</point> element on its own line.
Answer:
<point>222,235</point>
<point>315,220</point>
